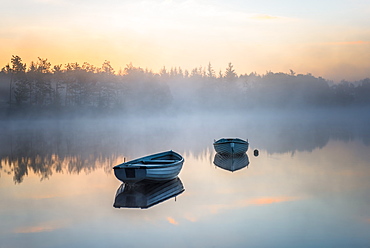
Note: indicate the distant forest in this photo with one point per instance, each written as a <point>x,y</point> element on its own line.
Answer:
<point>85,89</point>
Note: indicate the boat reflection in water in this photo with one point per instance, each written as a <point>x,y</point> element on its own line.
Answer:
<point>231,163</point>
<point>145,195</point>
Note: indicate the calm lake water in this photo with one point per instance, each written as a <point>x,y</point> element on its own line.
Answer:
<point>309,186</point>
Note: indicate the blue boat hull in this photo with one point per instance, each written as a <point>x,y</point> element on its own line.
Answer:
<point>231,146</point>
<point>157,167</point>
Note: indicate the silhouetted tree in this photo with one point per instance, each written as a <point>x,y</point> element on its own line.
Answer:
<point>220,75</point>
<point>17,65</point>
<point>90,68</point>
<point>43,66</point>
<point>22,91</point>
<point>344,93</point>
<point>59,86</point>
<point>163,73</point>
<point>42,83</point>
<point>210,71</point>
<point>362,92</point>
<point>196,73</point>
<point>19,77</point>
<point>230,75</point>
<point>107,68</point>
<point>181,74</point>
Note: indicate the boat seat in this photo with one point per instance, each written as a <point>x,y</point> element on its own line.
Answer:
<point>158,161</point>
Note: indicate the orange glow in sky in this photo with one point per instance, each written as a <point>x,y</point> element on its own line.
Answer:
<point>254,36</point>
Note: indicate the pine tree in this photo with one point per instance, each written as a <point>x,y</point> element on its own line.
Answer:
<point>210,71</point>
<point>230,74</point>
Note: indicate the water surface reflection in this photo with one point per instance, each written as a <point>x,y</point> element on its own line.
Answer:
<point>315,198</point>
<point>74,146</point>
<point>231,163</point>
<point>146,195</point>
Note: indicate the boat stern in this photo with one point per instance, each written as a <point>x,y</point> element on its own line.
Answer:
<point>130,174</point>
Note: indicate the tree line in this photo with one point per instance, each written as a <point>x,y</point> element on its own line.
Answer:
<point>75,87</point>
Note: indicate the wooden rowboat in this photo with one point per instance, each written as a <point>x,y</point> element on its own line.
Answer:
<point>157,167</point>
<point>230,146</point>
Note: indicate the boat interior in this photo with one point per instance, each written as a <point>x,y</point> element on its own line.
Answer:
<point>163,159</point>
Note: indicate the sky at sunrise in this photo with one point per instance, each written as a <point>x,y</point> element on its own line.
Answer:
<point>327,38</point>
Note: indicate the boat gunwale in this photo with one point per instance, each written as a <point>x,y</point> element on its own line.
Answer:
<point>138,163</point>
<point>228,141</point>
<point>146,166</point>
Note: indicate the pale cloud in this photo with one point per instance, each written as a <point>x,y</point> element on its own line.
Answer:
<point>34,229</point>
<point>193,17</point>
<point>41,196</point>
<point>217,208</point>
<point>359,42</point>
<point>269,200</point>
<point>41,227</point>
<point>204,211</point>
<point>264,17</point>
<point>191,218</point>
<point>172,221</point>
<point>48,1</point>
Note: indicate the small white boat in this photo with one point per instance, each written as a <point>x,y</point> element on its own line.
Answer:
<point>230,146</point>
<point>231,163</point>
<point>146,195</point>
<point>157,167</point>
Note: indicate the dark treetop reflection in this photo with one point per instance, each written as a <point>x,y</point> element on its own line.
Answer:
<point>73,146</point>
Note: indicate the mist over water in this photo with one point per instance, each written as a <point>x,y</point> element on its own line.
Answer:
<point>75,145</point>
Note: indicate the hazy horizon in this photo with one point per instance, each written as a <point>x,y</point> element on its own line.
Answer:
<point>120,70</point>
